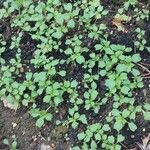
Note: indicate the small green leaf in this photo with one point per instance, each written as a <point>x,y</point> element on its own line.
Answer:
<point>6,142</point>
<point>80,59</point>
<point>40,122</point>
<point>47,99</point>
<point>147,106</point>
<point>110,83</point>
<point>48,117</point>
<point>74,125</point>
<point>93,145</point>
<point>71,23</point>
<point>81,136</point>
<point>28,75</point>
<point>97,136</point>
<point>106,127</point>
<point>120,138</point>
<point>14,144</point>
<point>132,126</point>
<point>117,147</point>
<point>121,67</point>
<point>136,58</point>
<point>111,139</point>
<point>125,89</point>
<point>76,148</point>
<point>125,113</point>
<point>62,73</point>
<point>83,119</point>
<point>68,7</point>
<point>118,125</point>
<point>74,83</point>
<point>147,116</point>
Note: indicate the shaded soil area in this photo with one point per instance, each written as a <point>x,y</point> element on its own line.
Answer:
<point>22,125</point>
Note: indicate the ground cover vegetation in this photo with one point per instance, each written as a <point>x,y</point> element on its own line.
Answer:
<point>59,53</point>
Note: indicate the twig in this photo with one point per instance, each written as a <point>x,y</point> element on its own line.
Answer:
<point>48,108</point>
<point>124,146</point>
<point>144,75</point>
<point>145,64</point>
<point>144,68</point>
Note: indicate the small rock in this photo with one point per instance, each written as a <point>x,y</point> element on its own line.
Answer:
<point>45,147</point>
<point>132,136</point>
<point>14,124</point>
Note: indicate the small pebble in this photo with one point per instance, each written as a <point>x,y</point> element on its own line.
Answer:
<point>14,124</point>
<point>132,136</point>
<point>53,146</point>
<point>45,147</point>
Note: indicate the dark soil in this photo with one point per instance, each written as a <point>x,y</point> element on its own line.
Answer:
<point>22,125</point>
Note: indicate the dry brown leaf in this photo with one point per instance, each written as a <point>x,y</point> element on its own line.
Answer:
<point>118,24</point>
<point>145,145</point>
<point>145,141</point>
<point>21,69</point>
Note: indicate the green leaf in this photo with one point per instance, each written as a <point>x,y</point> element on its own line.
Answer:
<point>57,34</point>
<point>34,113</point>
<point>40,122</point>
<point>57,100</point>
<point>117,147</point>
<point>25,102</point>
<point>111,139</point>
<point>121,68</point>
<point>110,83</point>
<point>94,94</point>
<point>19,2</point>
<point>97,136</point>
<point>132,126</point>
<point>147,106</point>
<point>80,59</point>
<point>118,125</point>
<point>68,7</point>
<point>74,83</point>
<point>14,144</point>
<point>47,99</point>
<point>59,19</point>
<point>76,148</point>
<point>81,136</point>
<point>120,138</point>
<point>48,117</point>
<point>103,72</point>
<point>74,125</point>
<point>40,76</point>
<point>125,113</point>
<point>93,145</point>
<point>94,127</point>
<point>62,73</point>
<point>68,51</point>
<point>136,58</point>
<point>125,90</point>
<point>83,119</point>
<point>98,46</point>
<point>71,23</point>
<point>28,75</point>
<point>106,127</point>
<point>6,142</point>
<point>147,116</point>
